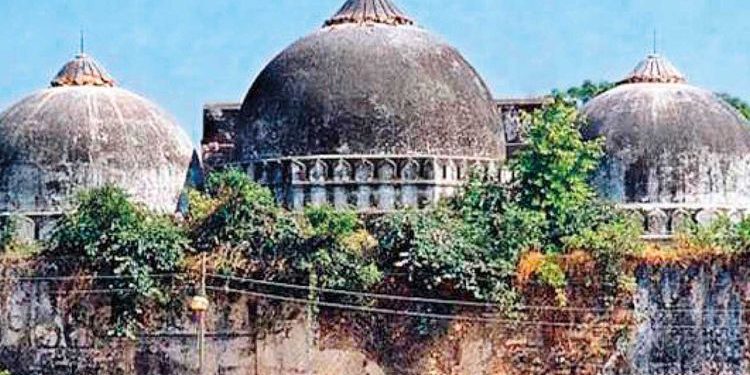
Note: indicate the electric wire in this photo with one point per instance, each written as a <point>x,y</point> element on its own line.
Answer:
<point>451,317</point>
<point>409,313</point>
<point>397,297</point>
<point>438,301</point>
<point>85,277</point>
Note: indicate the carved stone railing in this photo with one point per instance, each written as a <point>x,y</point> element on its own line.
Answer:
<point>367,183</point>
<point>363,184</point>
<point>661,220</point>
<point>32,226</point>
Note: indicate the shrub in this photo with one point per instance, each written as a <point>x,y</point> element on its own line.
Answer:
<point>336,250</point>
<point>610,240</point>
<point>496,222</point>
<point>240,221</point>
<point>107,235</point>
<point>544,270</point>
<point>721,234</point>
<point>246,231</point>
<point>438,254</point>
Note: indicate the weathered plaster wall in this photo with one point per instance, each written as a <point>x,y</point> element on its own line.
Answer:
<point>687,321</point>
<point>695,177</point>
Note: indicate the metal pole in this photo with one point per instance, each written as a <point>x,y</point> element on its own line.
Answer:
<point>202,320</point>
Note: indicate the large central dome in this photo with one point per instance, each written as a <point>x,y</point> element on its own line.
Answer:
<point>369,82</point>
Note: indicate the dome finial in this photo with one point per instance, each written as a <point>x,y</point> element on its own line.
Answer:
<point>82,50</point>
<point>369,11</point>
<point>83,70</point>
<point>654,69</point>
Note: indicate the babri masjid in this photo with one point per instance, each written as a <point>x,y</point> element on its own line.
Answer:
<point>370,112</point>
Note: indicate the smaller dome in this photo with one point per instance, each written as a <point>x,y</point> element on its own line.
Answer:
<point>83,132</point>
<point>668,141</point>
<point>83,71</point>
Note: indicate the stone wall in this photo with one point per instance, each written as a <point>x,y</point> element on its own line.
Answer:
<point>687,320</point>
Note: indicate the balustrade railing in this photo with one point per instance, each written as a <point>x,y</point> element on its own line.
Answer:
<point>661,221</point>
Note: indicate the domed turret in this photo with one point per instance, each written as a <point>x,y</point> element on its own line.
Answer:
<point>369,82</point>
<point>84,132</point>
<point>668,141</point>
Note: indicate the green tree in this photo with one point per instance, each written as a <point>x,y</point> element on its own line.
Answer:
<point>551,175</point>
<point>609,239</point>
<point>438,256</point>
<point>722,234</point>
<point>580,95</point>
<point>742,106</point>
<point>240,221</point>
<point>496,222</point>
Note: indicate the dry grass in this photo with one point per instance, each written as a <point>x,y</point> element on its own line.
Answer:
<point>528,266</point>
<point>680,254</point>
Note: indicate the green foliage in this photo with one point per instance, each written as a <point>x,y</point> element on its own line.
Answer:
<point>495,222</point>
<point>429,248</point>
<point>201,206</point>
<point>609,240</point>
<point>245,214</point>
<point>325,221</point>
<point>107,235</point>
<point>336,250</point>
<point>441,253</point>
<point>551,178</point>
<point>551,175</point>
<point>494,219</point>
<point>580,95</point>
<point>242,218</point>
<point>7,232</point>
<point>742,106</point>
<point>551,274</point>
<point>721,234</point>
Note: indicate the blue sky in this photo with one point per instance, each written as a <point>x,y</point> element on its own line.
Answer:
<point>184,53</point>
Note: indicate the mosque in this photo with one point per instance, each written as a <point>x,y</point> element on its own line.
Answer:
<point>370,112</point>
